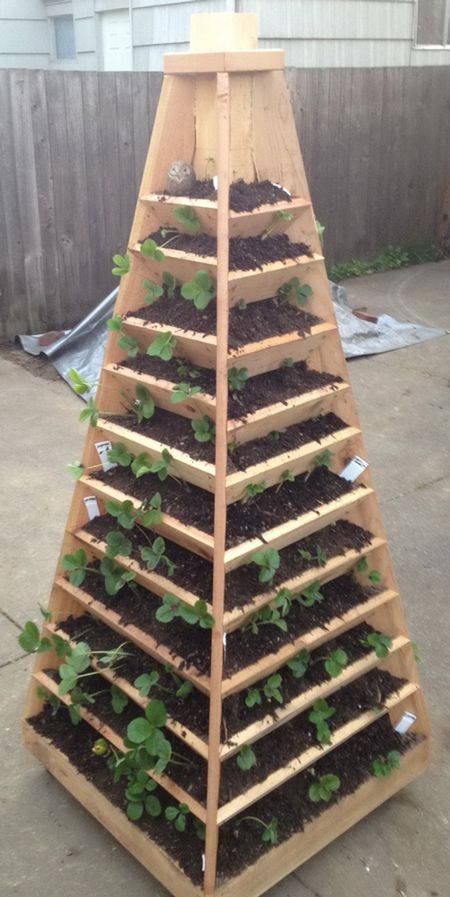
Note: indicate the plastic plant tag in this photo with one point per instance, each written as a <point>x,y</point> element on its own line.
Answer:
<point>91,506</point>
<point>203,862</point>
<point>284,189</point>
<point>102,451</point>
<point>354,469</point>
<point>215,181</point>
<point>408,719</point>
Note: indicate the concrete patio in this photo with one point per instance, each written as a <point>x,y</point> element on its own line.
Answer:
<point>50,844</point>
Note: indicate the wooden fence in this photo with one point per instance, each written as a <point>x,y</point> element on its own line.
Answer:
<point>72,148</point>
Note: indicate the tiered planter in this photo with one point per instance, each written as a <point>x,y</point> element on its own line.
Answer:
<point>233,108</point>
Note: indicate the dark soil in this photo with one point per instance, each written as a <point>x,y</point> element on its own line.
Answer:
<point>243,197</point>
<point>240,841</point>
<point>195,573</point>
<point>193,711</point>
<point>260,391</point>
<point>136,605</point>
<point>176,432</point>
<point>195,507</point>
<point>246,253</point>
<point>257,321</point>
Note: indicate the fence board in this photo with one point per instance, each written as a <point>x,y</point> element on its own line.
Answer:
<point>73,145</point>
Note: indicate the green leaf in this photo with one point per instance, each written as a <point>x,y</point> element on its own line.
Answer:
<point>187,217</point>
<point>204,429</point>
<point>246,758</point>
<point>118,544</point>
<point>151,514</point>
<point>119,454</point>
<point>171,813</point>
<point>237,378</point>
<point>130,344</point>
<point>122,265</point>
<point>139,730</point>
<point>30,638</point>
<point>90,413</point>
<point>201,290</point>
<point>79,384</point>
<point>153,806</point>
<point>150,249</point>
<point>76,468</point>
<point>163,346</point>
<point>335,663</point>
<point>118,699</point>
<point>183,391</point>
<point>154,291</point>
<point>299,664</point>
<point>135,810</point>
<point>155,713</point>
<point>170,283</point>
<point>144,406</point>
<point>115,324</point>
<point>145,683</point>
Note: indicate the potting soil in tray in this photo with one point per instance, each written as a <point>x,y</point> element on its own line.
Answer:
<point>193,711</point>
<point>136,605</point>
<point>175,431</point>
<point>240,840</point>
<point>243,197</point>
<point>195,573</point>
<point>260,391</point>
<point>257,321</point>
<point>245,253</point>
<point>195,507</point>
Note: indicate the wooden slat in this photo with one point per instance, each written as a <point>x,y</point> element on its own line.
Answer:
<point>161,391</point>
<point>152,857</point>
<point>130,632</point>
<point>269,723</point>
<point>235,61</point>
<point>111,735</point>
<point>310,640</point>
<point>311,756</point>
<point>281,860</point>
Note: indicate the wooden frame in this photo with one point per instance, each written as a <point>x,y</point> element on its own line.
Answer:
<point>232,106</point>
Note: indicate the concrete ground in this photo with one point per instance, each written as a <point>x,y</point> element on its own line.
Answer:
<point>50,845</point>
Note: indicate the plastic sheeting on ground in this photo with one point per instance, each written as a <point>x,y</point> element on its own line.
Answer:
<point>82,347</point>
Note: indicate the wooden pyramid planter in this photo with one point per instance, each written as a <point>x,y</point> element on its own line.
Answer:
<point>255,671</point>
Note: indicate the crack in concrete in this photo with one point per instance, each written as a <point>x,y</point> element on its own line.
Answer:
<point>8,663</point>
<point>311,890</point>
<point>421,486</point>
<point>11,619</point>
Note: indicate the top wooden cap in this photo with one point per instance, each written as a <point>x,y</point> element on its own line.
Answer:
<point>222,31</point>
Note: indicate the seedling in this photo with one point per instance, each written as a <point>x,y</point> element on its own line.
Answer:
<point>182,391</point>
<point>163,346</point>
<point>268,561</point>
<point>237,378</point>
<point>153,555</point>
<point>145,682</point>
<point>54,702</point>
<point>267,616</point>
<point>283,602</point>
<point>270,829</point>
<point>189,219</point>
<point>184,687</point>
<point>30,639</point>
<point>150,748</point>
<point>299,664</point>
<point>286,477</point>
<point>140,797</point>
<point>149,513</point>
<point>118,544</point>
<point>311,595</point>
<point>318,716</point>
<point>320,557</point>
<point>323,459</point>
<point>90,413</point>
<point>115,577</point>
<point>252,490</point>
<point>336,662</point>
<point>294,289</point>
<point>324,788</point>
<point>79,384</point>
<point>169,281</point>
<point>242,305</point>
<point>380,642</point>
<point>246,758</point>
<point>77,470</point>
<point>178,815</point>
<point>278,216</point>
<point>201,290</point>
<point>271,690</point>
<point>143,464</point>
<point>119,700</point>
<point>121,265</point>
<point>151,250</point>
<point>287,363</point>
<point>320,231</point>
<point>274,436</point>
<point>384,766</point>
<point>154,292</point>
<point>119,454</point>
<point>172,608</point>
<point>130,344</point>
<point>204,429</point>
<point>363,566</point>
<point>186,370</point>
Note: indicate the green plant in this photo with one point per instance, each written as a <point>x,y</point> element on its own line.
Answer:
<point>294,289</point>
<point>145,682</point>
<point>323,459</point>
<point>130,344</point>
<point>268,561</point>
<point>121,265</point>
<point>324,788</point>
<point>186,370</point>
<point>319,715</point>
<point>150,749</point>
<point>320,231</point>
<point>151,250</point>
<point>311,595</point>
<point>416,652</point>
<point>363,566</point>
<point>320,557</point>
<point>270,829</point>
<point>77,566</point>
<point>119,700</point>
<point>201,290</point>
<point>140,797</point>
<point>277,216</point>
<point>246,758</point>
<point>237,378</point>
<point>299,664</point>
<point>143,464</point>
<point>154,292</point>
<point>170,283</point>
<point>204,429</point>
<point>183,391</point>
<point>252,490</point>
<point>119,454</point>
<point>380,643</point>
<point>163,346</point>
<point>189,219</point>
<point>90,413</point>
<point>183,686</point>
<point>336,662</point>
<point>384,766</point>
<point>149,513</point>
<point>172,608</point>
<point>286,477</point>
<point>271,690</point>
<point>242,305</point>
<point>287,363</point>
<point>267,616</point>
<point>178,815</point>
<point>79,384</point>
<point>392,257</point>
<point>117,544</point>
<point>154,554</point>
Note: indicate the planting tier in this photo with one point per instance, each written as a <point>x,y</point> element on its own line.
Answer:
<point>228,585</point>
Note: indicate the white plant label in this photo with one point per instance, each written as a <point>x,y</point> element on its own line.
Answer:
<point>284,189</point>
<point>408,719</point>
<point>354,469</point>
<point>215,181</point>
<point>91,506</point>
<point>102,451</point>
<point>203,862</point>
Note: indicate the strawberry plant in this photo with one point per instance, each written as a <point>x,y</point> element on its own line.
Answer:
<point>380,643</point>
<point>154,554</point>
<point>121,265</point>
<point>178,815</point>
<point>237,379</point>
<point>183,391</point>
<point>311,595</point>
<point>204,429</point>
<point>246,758</point>
<point>270,829</point>
<point>154,292</point>
<point>77,566</point>
<point>320,557</point>
<point>277,216</point>
<point>300,664</point>
<point>252,490</point>
<point>163,346</point>
<point>267,616</point>
<point>384,766</point>
<point>323,459</point>
<point>201,290</point>
<point>140,797</point>
<point>189,219</point>
<point>268,561</point>
<point>319,715</point>
<point>271,690</point>
<point>172,608</point>
<point>373,575</point>
<point>324,788</point>
<point>151,250</point>
<point>293,289</point>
